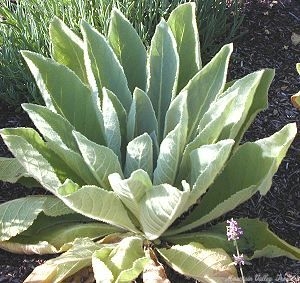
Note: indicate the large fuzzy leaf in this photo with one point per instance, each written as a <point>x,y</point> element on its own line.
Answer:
<point>17,215</point>
<point>206,163</point>
<point>11,170</point>
<point>246,89</point>
<point>96,203</point>
<point>209,130</point>
<point>65,93</point>
<point>40,163</point>
<point>260,101</point>
<point>235,185</point>
<point>103,66</point>
<point>111,123</point>
<point>160,207</point>
<point>57,269</point>
<point>101,160</point>
<point>173,144</point>
<point>139,155</point>
<point>58,133</point>
<point>129,49</point>
<point>205,87</point>
<point>205,265</point>
<point>55,234</point>
<point>141,117</point>
<point>182,22</point>
<point>163,68</point>
<point>131,190</point>
<point>67,48</point>
<point>122,263</point>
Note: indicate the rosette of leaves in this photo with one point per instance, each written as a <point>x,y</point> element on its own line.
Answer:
<point>138,148</point>
<point>296,97</point>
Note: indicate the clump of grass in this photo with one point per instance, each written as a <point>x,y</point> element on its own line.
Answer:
<point>24,25</point>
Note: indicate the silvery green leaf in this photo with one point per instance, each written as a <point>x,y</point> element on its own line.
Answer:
<point>65,93</point>
<point>121,113</point>
<point>121,262</point>
<point>32,153</point>
<point>206,163</point>
<point>246,88</point>
<point>67,48</point>
<point>11,170</point>
<point>111,123</point>
<point>160,207</point>
<point>103,67</point>
<point>131,190</point>
<point>129,49</point>
<point>183,24</point>
<point>58,133</point>
<point>142,116</point>
<point>19,214</point>
<point>205,265</point>
<point>101,160</point>
<point>57,269</point>
<point>96,203</point>
<point>163,68</point>
<point>173,144</point>
<point>205,87</point>
<point>139,155</point>
<point>209,130</point>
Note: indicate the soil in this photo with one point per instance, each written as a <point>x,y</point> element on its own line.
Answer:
<point>266,43</point>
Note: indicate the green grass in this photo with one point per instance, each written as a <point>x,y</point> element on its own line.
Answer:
<point>25,26</point>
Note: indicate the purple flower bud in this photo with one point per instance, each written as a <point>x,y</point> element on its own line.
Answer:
<point>233,230</point>
<point>239,259</point>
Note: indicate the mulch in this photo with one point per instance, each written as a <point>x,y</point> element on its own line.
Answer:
<point>265,43</point>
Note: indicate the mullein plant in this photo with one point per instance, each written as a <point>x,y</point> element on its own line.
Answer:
<point>139,150</point>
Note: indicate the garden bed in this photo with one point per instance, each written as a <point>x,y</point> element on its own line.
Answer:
<point>266,44</point>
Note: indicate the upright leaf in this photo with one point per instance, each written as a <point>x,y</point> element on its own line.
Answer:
<point>182,22</point>
<point>139,155</point>
<point>67,48</point>
<point>205,87</point>
<point>246,89</point>
<point>260,101</point>
<point>111,123</point>
<point>209,128</point>
<point>101,160</point>
<point>65,93</point>
<point>171,148</point>
<point>129,49</point>
<point>141,117</point>
<point>163,68</point>
<point>205,265</point>
<point>103,66</point>
<point>96,203</point>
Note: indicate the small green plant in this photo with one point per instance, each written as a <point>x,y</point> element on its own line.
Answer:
<point>296,97</point>
<point>25,26</point>
<point>137,149</point>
